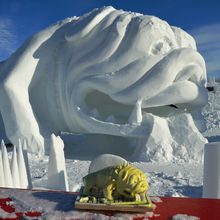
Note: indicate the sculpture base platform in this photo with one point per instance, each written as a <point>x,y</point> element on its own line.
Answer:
<point>83,202</point>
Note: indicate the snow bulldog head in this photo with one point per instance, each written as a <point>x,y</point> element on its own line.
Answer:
<point>103,73</point>
<point>123,66</point>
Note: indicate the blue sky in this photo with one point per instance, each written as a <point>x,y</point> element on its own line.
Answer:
<point>19,19</point>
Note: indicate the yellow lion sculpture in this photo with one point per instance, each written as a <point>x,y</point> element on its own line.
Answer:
<point>116,182</point>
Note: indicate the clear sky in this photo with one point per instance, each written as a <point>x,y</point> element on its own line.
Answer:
<point>19,19</point>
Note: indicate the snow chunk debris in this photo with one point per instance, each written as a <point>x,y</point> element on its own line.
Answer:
<point>184,217</point>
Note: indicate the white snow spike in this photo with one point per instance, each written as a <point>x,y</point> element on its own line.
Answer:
<point>6,167</point>
<point>2,175</point>
<point>22,168</point>
<point>14,169</point>
<point>136,114</point>
<point>57,177</point>
<point>25,153</point>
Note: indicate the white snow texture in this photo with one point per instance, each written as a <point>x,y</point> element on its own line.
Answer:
<point>107,72</point>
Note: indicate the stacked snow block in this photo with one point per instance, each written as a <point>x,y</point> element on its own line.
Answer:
<point>15,174</point>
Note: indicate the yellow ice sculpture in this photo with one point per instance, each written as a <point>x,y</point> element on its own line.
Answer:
<point>116,183</point>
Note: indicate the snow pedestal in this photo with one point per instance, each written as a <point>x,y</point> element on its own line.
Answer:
<point>57,177</point>
<point>211,176</point>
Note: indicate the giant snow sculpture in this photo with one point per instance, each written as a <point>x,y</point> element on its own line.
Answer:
<point>108,72</point>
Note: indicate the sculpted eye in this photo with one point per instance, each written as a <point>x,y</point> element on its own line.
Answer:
<point>157,48</point>
<point>163,46</point>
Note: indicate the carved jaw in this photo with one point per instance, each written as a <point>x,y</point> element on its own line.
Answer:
<point>107,116</point>
<point>106,107</point>
<point>112,125</point>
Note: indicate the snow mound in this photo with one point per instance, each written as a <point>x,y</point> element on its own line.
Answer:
<point>175,138</point>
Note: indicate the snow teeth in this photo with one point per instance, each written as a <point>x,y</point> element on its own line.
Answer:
<point>110,118</point>
<point>94,113</point>
<point>136,114</point>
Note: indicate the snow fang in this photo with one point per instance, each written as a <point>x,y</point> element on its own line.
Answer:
<point>117,182</point>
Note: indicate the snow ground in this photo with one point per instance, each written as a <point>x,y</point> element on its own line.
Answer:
<point>165,178</point>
